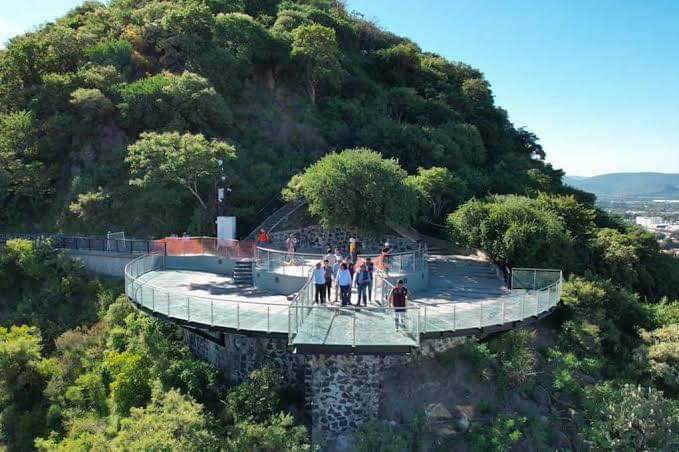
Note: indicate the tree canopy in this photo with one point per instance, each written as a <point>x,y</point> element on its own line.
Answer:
<point>356,188</point>
<point>190,161</point>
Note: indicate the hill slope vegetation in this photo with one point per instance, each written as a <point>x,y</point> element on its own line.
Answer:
<point>279,82</point>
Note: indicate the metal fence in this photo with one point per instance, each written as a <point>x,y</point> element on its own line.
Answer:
<point>171,246</point>
<point>94,243</point>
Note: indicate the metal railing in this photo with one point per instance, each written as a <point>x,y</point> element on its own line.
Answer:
<point>299,264</point>
<point>171,246</point>
<point>91,243</point>
<point>213,311</point>
<point>283,262</point>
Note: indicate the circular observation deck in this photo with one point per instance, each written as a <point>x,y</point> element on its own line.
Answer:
<point>462,296</point>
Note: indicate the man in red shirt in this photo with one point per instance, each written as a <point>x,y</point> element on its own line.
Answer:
<point>397,300</point>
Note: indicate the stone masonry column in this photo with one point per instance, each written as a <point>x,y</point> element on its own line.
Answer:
<point>343,392</point>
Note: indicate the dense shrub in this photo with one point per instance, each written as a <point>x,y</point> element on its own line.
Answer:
<point>43,287</point>
<point>632,418</point>
<point>514,230</point>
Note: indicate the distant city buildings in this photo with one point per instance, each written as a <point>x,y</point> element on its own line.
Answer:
<point>649,222</point>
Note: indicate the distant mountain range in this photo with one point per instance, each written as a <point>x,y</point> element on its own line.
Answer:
<point>628,185</point>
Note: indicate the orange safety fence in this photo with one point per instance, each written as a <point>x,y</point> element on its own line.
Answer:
<point>183,246</point>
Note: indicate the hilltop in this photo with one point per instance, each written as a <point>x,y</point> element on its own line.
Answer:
<point>628,185</point>
<point>281,82</point>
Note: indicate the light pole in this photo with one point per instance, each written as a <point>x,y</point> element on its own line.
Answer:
<point>226,226</point>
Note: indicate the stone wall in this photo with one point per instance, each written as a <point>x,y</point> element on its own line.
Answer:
<point>315,238</point>
<point>240,355</point>
<point>342,392</point>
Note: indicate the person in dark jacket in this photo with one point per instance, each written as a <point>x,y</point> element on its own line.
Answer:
<point>362,279</point>
<point>397,300</point>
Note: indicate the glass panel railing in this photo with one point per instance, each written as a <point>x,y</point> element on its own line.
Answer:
<point>534,278</point>
<point>221,312</point>
<point>299,264</point>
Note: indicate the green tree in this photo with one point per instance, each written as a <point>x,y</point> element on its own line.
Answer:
<point>315,47</point>
<point>130,380</point>
<point>441,189</point>
<point>258,398</point>
<point>278,434</point>
<point>514,230</point>
<point>20,167</point>
<point>23,377</point>
<point>43,287</point>
<point>185,102</point>
<point>190,161</point>
<point>615,313</point>
<point>659,356</point>
<point>356,188</point>
<point>632,418</point>
<point>171,421</point>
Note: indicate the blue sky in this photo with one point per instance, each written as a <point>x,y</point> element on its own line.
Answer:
<point>597,81</point>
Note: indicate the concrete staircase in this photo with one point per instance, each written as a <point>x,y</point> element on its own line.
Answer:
<point>242,273</point>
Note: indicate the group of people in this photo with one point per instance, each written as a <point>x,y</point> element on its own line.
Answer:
<point>344,273</point>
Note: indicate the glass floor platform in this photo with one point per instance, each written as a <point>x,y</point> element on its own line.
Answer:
<point>356,327</point>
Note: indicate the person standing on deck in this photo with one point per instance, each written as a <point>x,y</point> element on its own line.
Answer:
<point>344,283</point>
<point>353,250</point>
<point>263,237</point>
<point>318,276</point>
<point>329,256</point>
<point>386,257</point>
<point>327,268</point>
<point>291,244</point>
<point>397,300</point>
<point>335,274</point>
<point>362,280</point>
<point>370,266</point>
<point>338,256</point>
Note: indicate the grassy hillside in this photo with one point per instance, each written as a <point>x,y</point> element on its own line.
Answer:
<point>283,82</point>
<point>628,185</point>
